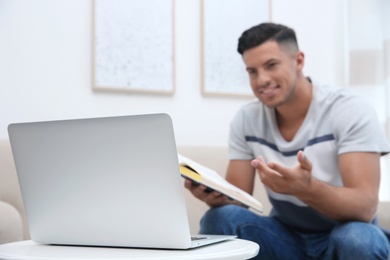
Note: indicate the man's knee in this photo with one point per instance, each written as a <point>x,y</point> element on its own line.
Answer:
<point>222,220</point>
<point>360,239</point>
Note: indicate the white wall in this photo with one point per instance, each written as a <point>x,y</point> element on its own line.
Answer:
<point>45,65</point>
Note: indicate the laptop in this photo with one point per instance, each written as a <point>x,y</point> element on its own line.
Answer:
<point>111,181</point>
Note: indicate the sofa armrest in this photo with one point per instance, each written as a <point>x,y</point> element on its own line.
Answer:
<point>9,185</point>
<point>11,227</point>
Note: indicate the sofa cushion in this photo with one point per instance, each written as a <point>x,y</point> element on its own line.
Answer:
<point>384,214</point>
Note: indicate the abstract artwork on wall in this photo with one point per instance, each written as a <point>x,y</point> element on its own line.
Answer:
<point>133,46</point>
<point>223,71</point>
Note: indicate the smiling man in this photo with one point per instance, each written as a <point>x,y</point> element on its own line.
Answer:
<point>317,151</point>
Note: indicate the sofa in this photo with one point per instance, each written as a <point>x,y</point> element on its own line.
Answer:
<point>13,224</point>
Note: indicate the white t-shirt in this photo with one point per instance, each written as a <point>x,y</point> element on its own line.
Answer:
<point>338,121</point>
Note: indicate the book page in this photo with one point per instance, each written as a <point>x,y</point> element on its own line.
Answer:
<point>213,180</point>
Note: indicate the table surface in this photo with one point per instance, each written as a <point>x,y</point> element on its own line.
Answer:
<point>228,250</point>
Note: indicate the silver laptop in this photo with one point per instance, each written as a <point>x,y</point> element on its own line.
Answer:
<point>110,181</point>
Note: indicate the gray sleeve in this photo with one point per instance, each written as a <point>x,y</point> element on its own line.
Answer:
<point>358,128</point>
<point>239,149</point>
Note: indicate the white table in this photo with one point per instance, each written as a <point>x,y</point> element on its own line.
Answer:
<point>228,250</point>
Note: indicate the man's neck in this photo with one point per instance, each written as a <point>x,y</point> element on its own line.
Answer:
<point>290,116</point>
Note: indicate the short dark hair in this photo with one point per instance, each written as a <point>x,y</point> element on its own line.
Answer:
<point>263,32</point>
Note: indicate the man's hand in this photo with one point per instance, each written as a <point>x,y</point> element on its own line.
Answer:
<point>282,179</point>
<point>213,199</point>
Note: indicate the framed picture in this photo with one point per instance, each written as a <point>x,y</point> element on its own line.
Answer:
<point>223,71</point>
<point>133,46</point>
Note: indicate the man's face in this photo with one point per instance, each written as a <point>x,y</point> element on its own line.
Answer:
<point>273,72</point>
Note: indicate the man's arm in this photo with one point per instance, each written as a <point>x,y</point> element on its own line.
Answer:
<point>240,173</point>
<point>356,200</point>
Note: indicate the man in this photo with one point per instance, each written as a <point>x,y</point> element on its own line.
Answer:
<point>317,151</point>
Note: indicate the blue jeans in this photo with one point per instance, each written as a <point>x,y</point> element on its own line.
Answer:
<point>352,240</point>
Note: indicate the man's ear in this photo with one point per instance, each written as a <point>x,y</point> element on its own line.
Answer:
<point>299,60</point>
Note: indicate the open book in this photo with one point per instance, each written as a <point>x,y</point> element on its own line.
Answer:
<point>200,174</point>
